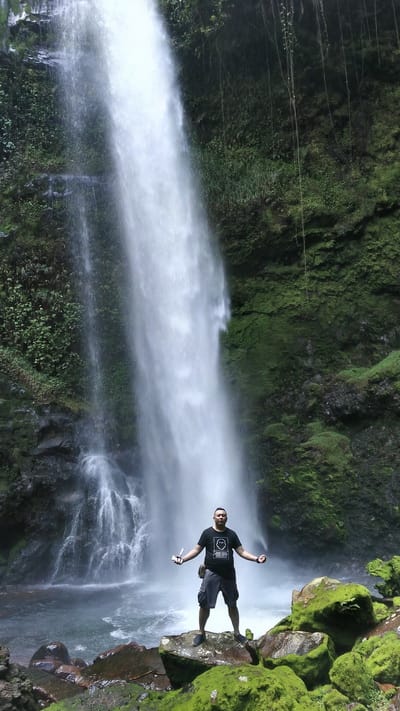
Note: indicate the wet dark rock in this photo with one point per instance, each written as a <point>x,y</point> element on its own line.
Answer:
<point>183,662</point>
<point>391,624</point>
<point>48,688</point>
<point>309,654</point>
<point>53,445</point>
<point>78,662</point>
<point>50,656</point>
<point>71,673</point>
<point>129,662</point>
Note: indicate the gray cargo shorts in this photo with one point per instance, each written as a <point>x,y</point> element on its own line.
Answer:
<point>211,585</point>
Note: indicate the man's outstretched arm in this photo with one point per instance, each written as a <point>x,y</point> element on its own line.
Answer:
<point>188,556</point>
<point>250,556</point>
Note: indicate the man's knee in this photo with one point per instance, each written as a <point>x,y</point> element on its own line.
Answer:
<point>202,599</point>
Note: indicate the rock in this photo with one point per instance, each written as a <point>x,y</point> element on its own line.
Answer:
<point>390,624</point>
<point>50,656</point>
<point>48,688</point>
<point>57,444</point>
<point>78,662</point>
<point>309,654</point>
<point>120,695</point>
<point>183,662</point>
<point>71,673</point>
<point>344,611</point>
<point>16,691</point>
<point>394,703</point>
<point>242,687</point>
<point>382,657</point>
<point>350,676</point>
<point>129,662</point>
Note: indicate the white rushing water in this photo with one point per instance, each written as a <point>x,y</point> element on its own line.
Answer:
<point>105,535</point>
<point>117,54</point>
<point>190,455</point>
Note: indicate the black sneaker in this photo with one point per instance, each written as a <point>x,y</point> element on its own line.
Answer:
<point>240,638</point>
<point>199,639</point>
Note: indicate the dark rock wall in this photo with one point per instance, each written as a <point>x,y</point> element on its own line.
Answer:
<point>293,112</point>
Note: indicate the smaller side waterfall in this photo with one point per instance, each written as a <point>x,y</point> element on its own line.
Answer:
<point>105,532</point>
<point>106,536</point>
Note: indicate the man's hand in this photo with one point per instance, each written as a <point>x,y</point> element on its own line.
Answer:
<point>177,559</point>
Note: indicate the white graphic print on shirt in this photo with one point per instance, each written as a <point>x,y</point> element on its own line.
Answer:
<point>220,548</point>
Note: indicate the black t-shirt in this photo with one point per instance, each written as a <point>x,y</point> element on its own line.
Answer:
<point>219,547</point>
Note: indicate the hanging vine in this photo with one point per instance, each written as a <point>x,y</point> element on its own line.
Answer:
<point>287,16</point>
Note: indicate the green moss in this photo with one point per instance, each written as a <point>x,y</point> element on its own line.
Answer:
<point>312,667</point>
<point>388,367</point>
<point>45,389</point>
<point>233,689</point>
<point>330,448</point>
<point>351,677</point>
<point>343,611</point>
<point>331,699</point>
<point>389,571</point>
<point>278,432</point>
<point>381,611</point>
<point>117,696</point>
<point>382,657</point>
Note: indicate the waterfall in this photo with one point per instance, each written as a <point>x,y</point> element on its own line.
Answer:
<point>190,457</point>
<point>105,534</point>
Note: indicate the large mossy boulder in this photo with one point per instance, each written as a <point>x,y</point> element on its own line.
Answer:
<point>382,657</point>
<point>344,611</point>
<point>245,687</point>
<point>350,676</point>
<point>309,654</point>
<point>183,662</point>
<point>222,688</point>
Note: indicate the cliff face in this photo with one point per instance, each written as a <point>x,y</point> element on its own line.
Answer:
<point>293,113</point>
<point>293,108</point>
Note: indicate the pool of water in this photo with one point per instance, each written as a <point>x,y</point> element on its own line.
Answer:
<point>91,619</point>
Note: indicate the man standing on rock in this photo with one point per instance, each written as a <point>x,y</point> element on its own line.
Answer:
<point>219,543</point>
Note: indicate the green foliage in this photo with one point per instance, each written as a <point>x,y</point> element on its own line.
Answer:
<point>350,676</point>
<point>381,656</point>
<point>388,367</point>
<point>389,571</point>
<point>44,388</point>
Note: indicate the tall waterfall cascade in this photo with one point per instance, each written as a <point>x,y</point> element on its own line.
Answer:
<point>190,459</point>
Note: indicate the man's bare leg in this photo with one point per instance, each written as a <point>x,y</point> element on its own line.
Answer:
<point>204,613</point>
<point>203,617</point>
<point>234,615</point>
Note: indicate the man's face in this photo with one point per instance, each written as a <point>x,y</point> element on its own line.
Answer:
<point>220,519</point>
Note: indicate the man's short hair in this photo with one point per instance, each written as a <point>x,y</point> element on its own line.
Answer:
<point>219,508</point>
